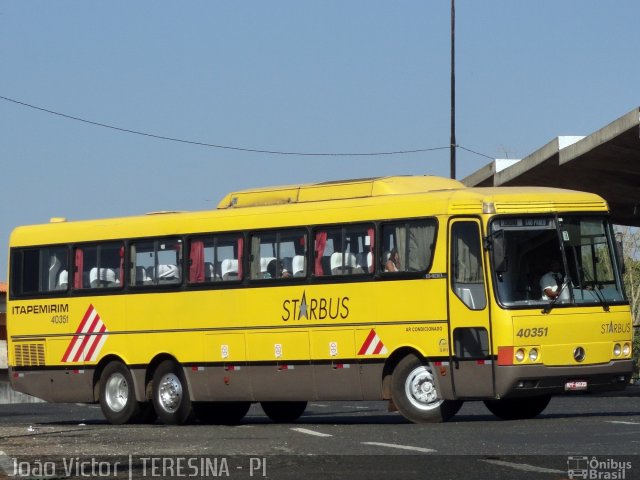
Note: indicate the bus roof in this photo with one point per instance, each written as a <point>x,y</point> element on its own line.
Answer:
<point>338,190</point>
<point>323,203</point>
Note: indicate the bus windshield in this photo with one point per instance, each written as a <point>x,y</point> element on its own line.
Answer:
<point>554,260</point>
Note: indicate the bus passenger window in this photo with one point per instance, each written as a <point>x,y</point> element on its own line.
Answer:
<point>40,270</point>
<point>346,250</point>
<point>408,246</point>
<point>215,259</point>
<point>156,262</point>
<point>273,254</point>
<point>99,266</point>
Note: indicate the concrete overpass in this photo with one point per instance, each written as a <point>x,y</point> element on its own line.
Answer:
<point>607,162</point>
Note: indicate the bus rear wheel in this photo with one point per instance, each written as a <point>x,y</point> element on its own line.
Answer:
<point>171,395</point>
<point>414,392</point>
<point>117,397</point>
<point>283,412</point>
<point>221,413</point>
<point>518,408</point>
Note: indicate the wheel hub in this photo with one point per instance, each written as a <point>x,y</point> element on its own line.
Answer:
<point>421,390</point>
<point>117,392</point>
<point>170,392</point>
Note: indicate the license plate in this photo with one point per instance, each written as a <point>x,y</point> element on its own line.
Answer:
<point>575,385</point>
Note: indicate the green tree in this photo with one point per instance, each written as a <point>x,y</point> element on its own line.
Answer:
<point>630,238</point>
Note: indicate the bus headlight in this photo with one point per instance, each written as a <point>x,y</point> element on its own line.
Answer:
<point>617,350</point>
<point>520,354</point>
<point>533,354</point>
<point>626,349</point>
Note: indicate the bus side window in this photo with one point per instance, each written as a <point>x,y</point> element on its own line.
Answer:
<point>471,342</point>
<point>408,246</point>
<point>215,258</point>
<point>99,266</point>
<point>156,262</point>
<point>466,265</point>
<point>346,250</point>
<point>40,270</point>
<point>273,254</point>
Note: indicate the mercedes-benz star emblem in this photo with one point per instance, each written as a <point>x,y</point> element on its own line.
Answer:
<point>579,354</point>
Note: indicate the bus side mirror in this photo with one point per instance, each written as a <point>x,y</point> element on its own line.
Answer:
<point>620,253</point>
<point>499,255</point>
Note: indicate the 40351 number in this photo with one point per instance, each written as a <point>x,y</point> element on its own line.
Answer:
<point>533,332</point>
<point>58,319</point>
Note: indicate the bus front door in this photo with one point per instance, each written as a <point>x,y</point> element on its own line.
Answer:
<point>469,322</point>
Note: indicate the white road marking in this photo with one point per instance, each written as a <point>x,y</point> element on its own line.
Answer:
<point>319,405</point>
<point>523,466</point>
<point>6,465</point>
<point>311,432</point>
<point>623,423</point>
<point>401,447</point>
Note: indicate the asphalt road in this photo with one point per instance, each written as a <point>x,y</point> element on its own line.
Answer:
<point>334,440</point>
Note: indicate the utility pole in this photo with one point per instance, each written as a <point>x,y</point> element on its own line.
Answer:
<point>453,91</point>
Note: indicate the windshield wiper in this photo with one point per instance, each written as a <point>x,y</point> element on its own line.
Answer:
<point>596,291</point>
<point>553,301</point>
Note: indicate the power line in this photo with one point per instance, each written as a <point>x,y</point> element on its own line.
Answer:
<point>474,152</point>
<point>225,147</point>
<point>212,145</point>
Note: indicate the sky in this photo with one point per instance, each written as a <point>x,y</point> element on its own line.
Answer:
<point>330,76</point>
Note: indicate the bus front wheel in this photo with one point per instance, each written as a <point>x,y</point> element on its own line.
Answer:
<point>283,412</point>
<point>171,395</point>
<point>414,392</point>
<point>117,397</point>
<point>518,408</point>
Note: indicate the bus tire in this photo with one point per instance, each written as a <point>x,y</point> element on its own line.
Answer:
<point>414,393</point>
<point>518,408</point>
<point>171,395</point>
<point>117,396</point>
<point>283,412</point>
<point>221,413</point>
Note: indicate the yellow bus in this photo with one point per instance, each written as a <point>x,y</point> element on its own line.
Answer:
<point>414,289</point>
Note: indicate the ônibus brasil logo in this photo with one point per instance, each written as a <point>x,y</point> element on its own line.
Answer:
<point>88,339</point>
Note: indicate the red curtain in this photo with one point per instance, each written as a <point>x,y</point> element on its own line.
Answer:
<point>196,257</point>
<point>121,266</point>
<point>240,250</point>
<point>321,243</point>
<point>79,266</point>
<point>371,233</point>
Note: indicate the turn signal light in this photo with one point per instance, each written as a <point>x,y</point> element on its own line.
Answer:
<point>505,355</point>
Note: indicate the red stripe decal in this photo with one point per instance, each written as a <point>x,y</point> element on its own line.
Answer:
<point>96,341</point>
<point>65,357</point>
<point>85,340</point>
<point>367,342</point>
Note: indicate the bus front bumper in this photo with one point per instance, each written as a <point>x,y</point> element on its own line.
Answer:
<point>531,380</point>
